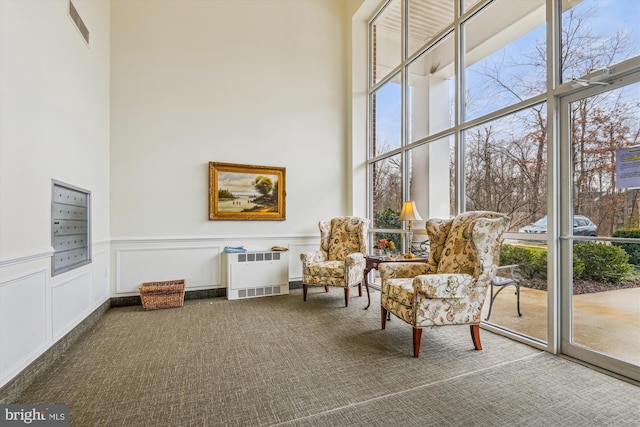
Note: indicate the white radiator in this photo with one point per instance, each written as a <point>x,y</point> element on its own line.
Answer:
<point>257,274</point>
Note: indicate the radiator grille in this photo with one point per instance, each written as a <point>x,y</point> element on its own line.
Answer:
<point>259,256</point>
<point>259,292</point>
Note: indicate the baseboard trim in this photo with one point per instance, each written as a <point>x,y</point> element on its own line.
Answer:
<point>188,295</point>
<point>12,390</point>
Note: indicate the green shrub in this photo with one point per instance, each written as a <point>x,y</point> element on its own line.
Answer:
<point>606,263</point>
<point>532,261</point>
<point>578,267</point>
<point>633,249</point>
<point>389,219</point>
<point>539,262</point>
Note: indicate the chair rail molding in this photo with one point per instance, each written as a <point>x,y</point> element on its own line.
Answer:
<point>25,257</point>
<point>193,239</point>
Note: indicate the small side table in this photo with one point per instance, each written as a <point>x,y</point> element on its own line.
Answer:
<point>374,261</point>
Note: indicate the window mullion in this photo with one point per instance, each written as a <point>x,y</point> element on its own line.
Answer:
<point>459,88</point>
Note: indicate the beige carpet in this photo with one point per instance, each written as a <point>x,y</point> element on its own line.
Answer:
<point>281,361</point>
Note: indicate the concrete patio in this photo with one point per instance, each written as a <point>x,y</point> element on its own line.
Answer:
<point>608,322</point>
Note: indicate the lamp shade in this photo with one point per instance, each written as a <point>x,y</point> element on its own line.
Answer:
<point>409,212</point>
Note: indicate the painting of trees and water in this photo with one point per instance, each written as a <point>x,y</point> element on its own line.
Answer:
<point>242,192</point>
<point>246,192</point>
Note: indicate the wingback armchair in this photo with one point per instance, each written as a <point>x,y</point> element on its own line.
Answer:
<point>340,260</point>
<point>450,288</point>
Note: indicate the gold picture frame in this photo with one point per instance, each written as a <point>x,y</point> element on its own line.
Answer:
<point>246,192</point>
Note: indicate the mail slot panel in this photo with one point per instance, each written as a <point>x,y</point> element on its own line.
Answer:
<point>61,211</point>
<point>70,227</point>
<point>64,227</point>
<point>66,258</point>
<point>69,196</point>
<point>65,243</point>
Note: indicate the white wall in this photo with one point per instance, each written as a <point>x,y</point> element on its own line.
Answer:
<point>54,124</point>
<point>248,82</point>
<point>357,18</point>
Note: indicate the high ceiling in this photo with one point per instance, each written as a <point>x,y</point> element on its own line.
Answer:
<point>427,18</point>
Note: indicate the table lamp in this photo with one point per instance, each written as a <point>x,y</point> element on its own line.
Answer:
<point>409,213</point>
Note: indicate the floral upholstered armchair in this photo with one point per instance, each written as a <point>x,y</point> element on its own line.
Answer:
<point>450,289</point>
<point>340,260</point>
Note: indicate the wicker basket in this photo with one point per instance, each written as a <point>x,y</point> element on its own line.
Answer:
<point>157,295</point>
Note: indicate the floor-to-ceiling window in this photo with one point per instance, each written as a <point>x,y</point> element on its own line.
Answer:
<point>601,302</point>
<point>465,114</point>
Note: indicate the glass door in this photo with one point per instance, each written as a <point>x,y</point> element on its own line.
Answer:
<point>599,221</point>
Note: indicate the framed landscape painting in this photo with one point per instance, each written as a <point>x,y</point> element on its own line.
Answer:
<point>246,192</point>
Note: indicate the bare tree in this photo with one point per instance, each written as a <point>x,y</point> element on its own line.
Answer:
<point>600,125</point>
<point>386,185</point>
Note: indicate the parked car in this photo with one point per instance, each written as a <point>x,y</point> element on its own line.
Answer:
<point>582,226</point>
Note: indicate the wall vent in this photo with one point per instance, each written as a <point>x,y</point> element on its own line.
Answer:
<point>258,292</point>
<point>75,17</point>
<point>258,256</point>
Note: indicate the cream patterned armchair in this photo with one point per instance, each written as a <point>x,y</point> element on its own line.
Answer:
<point>340,260</point>
<point>450,289</point>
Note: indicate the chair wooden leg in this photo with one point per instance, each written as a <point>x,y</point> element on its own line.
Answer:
<point>383,313</point>
<point>417,337</point>
<point>326,289</point>
<point>360,289</point>
<point>346,296</point>
<point>475,336</point>
<point>304,292</point>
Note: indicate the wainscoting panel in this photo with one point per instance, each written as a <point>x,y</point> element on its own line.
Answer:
<point>295,265</point>
<point>100,289</point>
<point>23,321</point>
<point>71,302</point>
<point>200,266</point>
<point>37,311</point>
